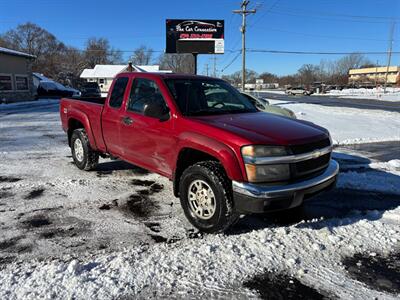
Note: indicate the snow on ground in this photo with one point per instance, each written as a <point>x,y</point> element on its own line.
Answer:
<point>348,125</point>
<point>119,233</point>
<point>392,94</point>
<point>279,92</point>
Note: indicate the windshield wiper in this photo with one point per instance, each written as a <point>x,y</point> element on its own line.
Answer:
<point>219,112</point>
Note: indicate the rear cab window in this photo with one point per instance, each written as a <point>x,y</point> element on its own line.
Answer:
<point>117,94</point>
<point>144,91</point>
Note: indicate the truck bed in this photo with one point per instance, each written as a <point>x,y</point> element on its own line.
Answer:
<point>88,109</point>
<point>97,100</point>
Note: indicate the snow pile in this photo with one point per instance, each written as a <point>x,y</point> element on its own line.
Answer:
<point>349,125</point>
<point>392,93</point>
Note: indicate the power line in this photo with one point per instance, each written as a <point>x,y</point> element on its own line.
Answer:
<point>319,53</point>
<point>124,51</point>
<point>231,62</point>
<point>215,66</point>
<point>325,19</point>
<point>263,15</point>
<point>244,12</point>
<point>324,36</point>
<point>329,14</point>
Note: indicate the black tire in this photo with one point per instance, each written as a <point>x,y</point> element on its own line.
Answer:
<point>214,175</point>
<point>90,157</point>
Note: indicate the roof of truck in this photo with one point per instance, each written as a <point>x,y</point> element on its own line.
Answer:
<point>167,75</point>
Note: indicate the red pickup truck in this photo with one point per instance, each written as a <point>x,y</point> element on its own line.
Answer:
<point>225,157</point>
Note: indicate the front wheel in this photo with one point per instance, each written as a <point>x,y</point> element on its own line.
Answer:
<point>206,197</point>
<point>85,158</point>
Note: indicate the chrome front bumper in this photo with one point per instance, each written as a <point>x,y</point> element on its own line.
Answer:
<point>250,197</point>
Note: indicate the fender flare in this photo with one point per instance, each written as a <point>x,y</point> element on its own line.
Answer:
<point>223,153</point>
<point>83,118</point>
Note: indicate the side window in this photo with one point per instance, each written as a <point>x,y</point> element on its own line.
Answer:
<point>143,93</point>
<point>6,82</point>
<point>250,99</point>
<point>117,95</point>
<point>21,83</point>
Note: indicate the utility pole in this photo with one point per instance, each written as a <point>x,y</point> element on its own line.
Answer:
<point>215,66</point>
<point>206,69</point>
<point>244,12</point>
<point>389,55</point>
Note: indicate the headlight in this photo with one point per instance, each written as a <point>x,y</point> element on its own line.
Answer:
<point>263,151</point>
<point>265,173</point>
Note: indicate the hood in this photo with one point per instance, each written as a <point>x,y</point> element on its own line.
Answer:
<point>266,128</point>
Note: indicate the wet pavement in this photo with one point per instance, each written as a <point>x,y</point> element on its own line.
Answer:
<point>379,272</point>
<point>280,286</point>
<point>382,151</point>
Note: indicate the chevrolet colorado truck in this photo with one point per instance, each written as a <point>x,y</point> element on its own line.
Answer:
<point>224,157</point>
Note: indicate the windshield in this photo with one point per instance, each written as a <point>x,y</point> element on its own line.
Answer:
<point>207,97</point>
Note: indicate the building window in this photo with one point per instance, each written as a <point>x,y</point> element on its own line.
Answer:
<point>6,83</point>
<point>21,83</point>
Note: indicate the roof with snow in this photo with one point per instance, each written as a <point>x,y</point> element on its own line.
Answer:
<point>15,53</point>
<point>40,77</point>
<point>110,71</point>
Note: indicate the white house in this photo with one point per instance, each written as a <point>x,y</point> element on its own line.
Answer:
<point>104,74</point>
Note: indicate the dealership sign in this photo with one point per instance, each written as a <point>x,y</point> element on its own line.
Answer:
<point>195,36</point>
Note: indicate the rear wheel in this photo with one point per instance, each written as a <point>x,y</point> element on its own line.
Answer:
<point>85,158</point>
<point>206,197</point>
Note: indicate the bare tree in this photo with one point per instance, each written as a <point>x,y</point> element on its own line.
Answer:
<point>268,77</point>
<point>98,51</point>
<point>308,74</point>
<point>32,39</point>
<point>142,56</point>
<point>2,42</point>
<point>291,80</point>
<point>53,58</point>
<point>177,63</point>
<point>351,61</point>
<point>251,76</point>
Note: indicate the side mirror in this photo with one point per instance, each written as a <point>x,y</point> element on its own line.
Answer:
<point>264,100</point>
<point>156,110</point>
<point>259,106</point>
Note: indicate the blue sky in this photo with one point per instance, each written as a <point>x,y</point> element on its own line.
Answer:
<point>292,25</point>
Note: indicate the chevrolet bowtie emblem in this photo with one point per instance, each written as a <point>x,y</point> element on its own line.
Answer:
<point>316,154</point>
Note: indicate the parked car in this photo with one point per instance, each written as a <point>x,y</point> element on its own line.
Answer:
<point>298,91</point>
<point>224,157</point>
<point>90,89</point>
<point>53,89</point>
<point>263,105</point>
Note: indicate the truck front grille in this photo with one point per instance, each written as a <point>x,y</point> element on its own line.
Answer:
<point>304,148</point>
<point>310,167</point>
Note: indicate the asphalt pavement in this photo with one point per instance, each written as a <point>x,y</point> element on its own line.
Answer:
<point>381,151</point>
<point>335,101</point>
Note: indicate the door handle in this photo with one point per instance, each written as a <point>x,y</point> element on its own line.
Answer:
<point>127,121</point>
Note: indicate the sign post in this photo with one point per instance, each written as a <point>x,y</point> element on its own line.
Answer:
<point>195,37</point>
